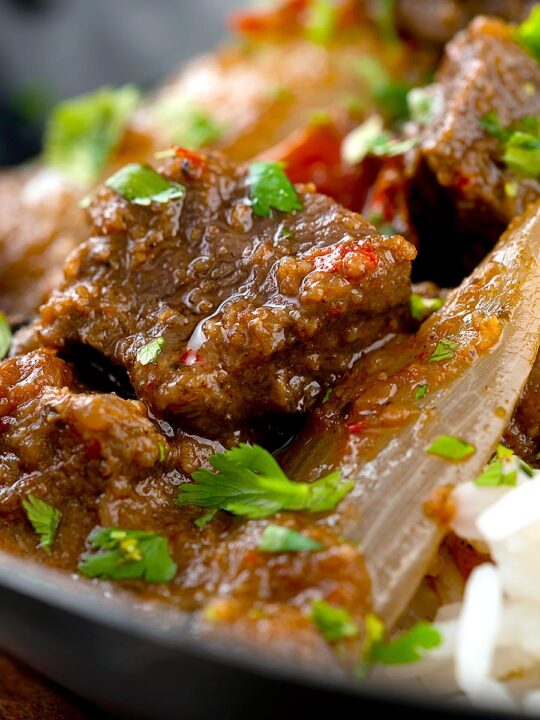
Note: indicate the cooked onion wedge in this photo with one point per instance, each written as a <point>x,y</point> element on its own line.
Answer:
<point>460,375</point>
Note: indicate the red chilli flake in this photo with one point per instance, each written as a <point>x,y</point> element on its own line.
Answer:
<point>357,428</point>
<point>194,158</point>
<point>274,20</point>
<point>349,258</point>
<point>190,357</point>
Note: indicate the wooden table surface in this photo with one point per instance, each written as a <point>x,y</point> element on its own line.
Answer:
<point>26,696</point>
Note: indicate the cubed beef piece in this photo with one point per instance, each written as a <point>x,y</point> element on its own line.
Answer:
<point>100,461</point>
<point>439,20</point>
<point>484,73</point>
<point>247,314</point>
<point>40,223</point>
<point>523,431</point>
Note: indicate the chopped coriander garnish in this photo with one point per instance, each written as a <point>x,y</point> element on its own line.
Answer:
<point>528,33</point>
<point>451,448</point>
<point>334,623</point>
<point>423,104</point>
<point>279,539</point>
<point>202,521</point>
<point>408,647</point>
<point>370,138</point>
<point>421,391</point>
<point>187,125</point>
<point>503,469</point>
<point>5,336</point>
<point>322,21</point>
<point>444,350</point>
<point>388,94</point>
<point>44,518</point>
<point>149,352</point>
<point>520,144</point>
<point>422,307</point>
<point>327,395</point>
<point>511,188</point>
<point>82,132</point>
<point>128,555</point>
<point>385,11</point>
<point>249,482</point>
<point>271,189</point>
<point>161,448</point>
<point>140,185</point>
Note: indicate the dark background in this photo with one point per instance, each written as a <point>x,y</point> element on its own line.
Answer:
<point>52,49</point>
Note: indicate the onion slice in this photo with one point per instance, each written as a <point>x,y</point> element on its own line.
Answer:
<point>493,321</point>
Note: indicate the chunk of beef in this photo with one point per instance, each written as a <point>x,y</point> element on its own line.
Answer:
<point>523,431</point>
<point>253,314</point>
<point>40,223</point>
<point>100,460</point>
<point>484,71</point>
<point>439,20</point>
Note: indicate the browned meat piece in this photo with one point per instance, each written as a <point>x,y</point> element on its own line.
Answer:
<point>440,20</point>
<point>523,431</point>
<point>484,71</point>
<point>253,314</point>
<point>40,223</point>
<point>100,460</point>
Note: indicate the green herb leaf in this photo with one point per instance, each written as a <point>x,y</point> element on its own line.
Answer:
<point>422,307</point>
<point>5,336</point>
<point>451,448</point>
<point>322,21</point>
<point>334,623</point>
<point>370,138</point>
<point>423,104</point>
<point>444,350</point>
<point>503,469</point>
<point>279,539</point>
<point>249,482</point>
<point>83,132</point>
<point>385,19</point>
<point>528,33</point>
<point>327,395</point>
<point>149,352</point>
<point>388,94</point>
<point>128,555</point>
<point>408,647</point>
<point>185,124</point>
<point>271,189</point>
<point>202,521</point>
<point>44,518</point>
<point>520,146</point>
<point>421,390</point>
<point>141,185</point>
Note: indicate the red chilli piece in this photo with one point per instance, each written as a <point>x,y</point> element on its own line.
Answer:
<point>190,357</point>
<point>357,428</point>
<point>351,259</point>
<point>278,19</point>
<point>194,158</point>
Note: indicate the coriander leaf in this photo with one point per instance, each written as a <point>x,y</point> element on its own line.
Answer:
<point>408,647</point>
<point>444,350</point>
<point>528,33</point>
<point>202,521</point>
<point>421,390</point>
<point>83,132</point>
<point>128,555</point>
<point>522,154</point>
<point>451,448</point>
<point>5,336</point>
<point>141,185</point>
<point>423,104</point>
<point>388,94</point>
<point>327,395</point>
<point>149,352</point>
<point>185,124</point>
<point>321,22</point>
<point>492,125</point>
<point>249,482</point>
<point>385,11</point>
<point>370,138</point>
<point>44,519</point>
<point>271,189</point>
<point>334,623</point>
<point>422,307</point>
<point>279,539</point>
<point>503,469</point>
